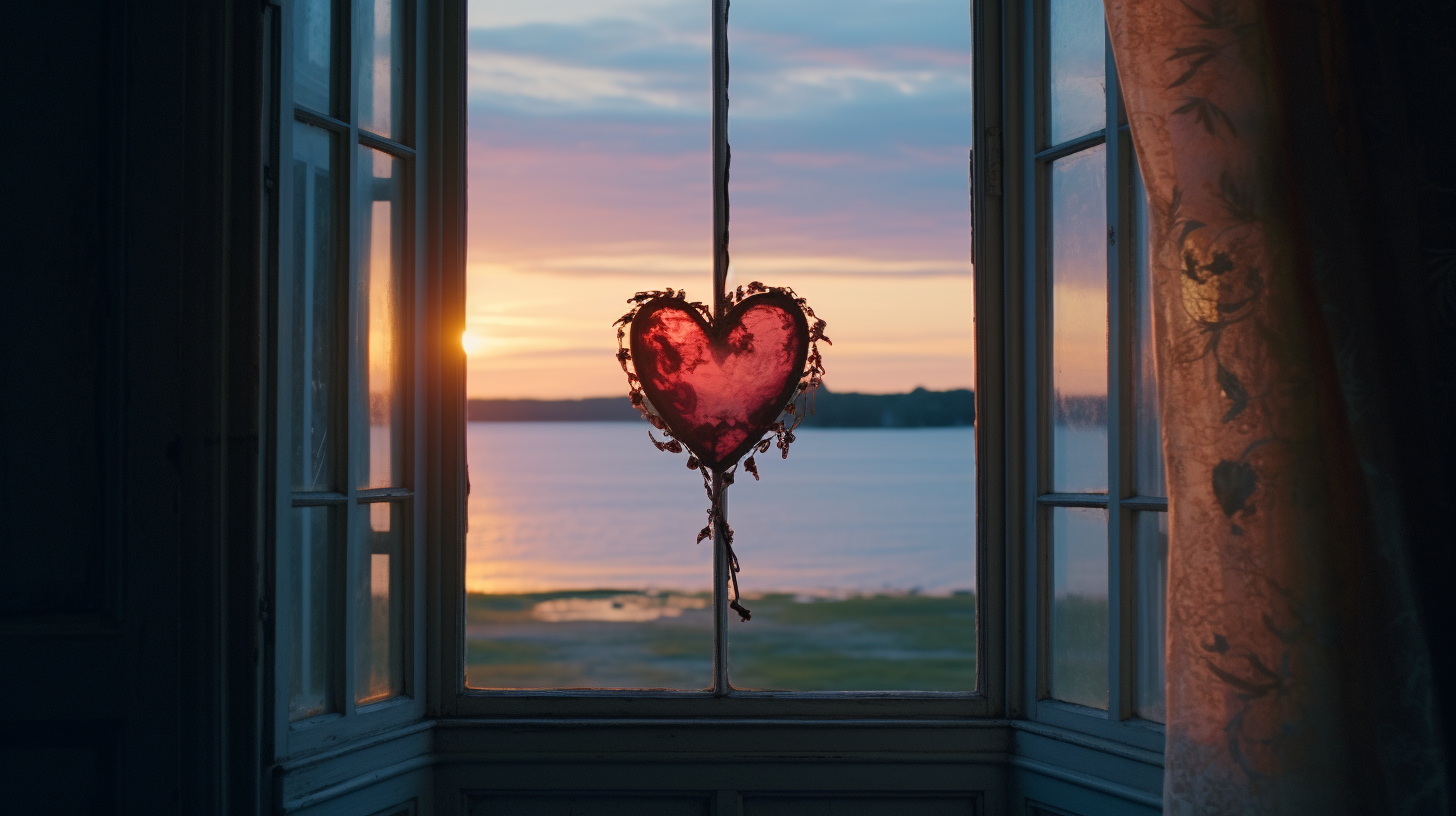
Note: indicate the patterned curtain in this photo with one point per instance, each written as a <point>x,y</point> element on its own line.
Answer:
<point>1298,673</point>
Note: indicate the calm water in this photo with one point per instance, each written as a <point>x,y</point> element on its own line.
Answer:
<point>594,505</point>
<point>856,552</point>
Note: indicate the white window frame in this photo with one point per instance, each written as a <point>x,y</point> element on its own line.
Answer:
<point>1025,192</point>
<point>423,276</point>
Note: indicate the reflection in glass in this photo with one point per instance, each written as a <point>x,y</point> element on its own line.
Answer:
<point>1079,322</point>
<point>1079,610</point>
<point>312,46</point>
<point>379,42</point>
<point>309,588</point>
<point>850,126</point>
<point>1077,69</point>
<point>379,611</point>
<point>314,375</point>
<point>1148,458</point>
<point>1152,593</point>
<point>381,267</point>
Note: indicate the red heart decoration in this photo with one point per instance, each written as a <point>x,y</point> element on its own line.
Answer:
<point>720,387</point>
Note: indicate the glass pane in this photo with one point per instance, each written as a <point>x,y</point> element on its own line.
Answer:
<point>1077,69</point>
<point>1148,470</point>
<point>379,638</point>
<point>589,170</point>
<point>1079,606</point>
<point>1079,322</point>
<point>312,47</point>
<point>309,587</point>
<point>315,285</point>
<point>850,126</point>
<point>379,41</point>
<point>1152,589</point>
<point>581,567</point>
<point>381,278</point>
<point>859,553</point>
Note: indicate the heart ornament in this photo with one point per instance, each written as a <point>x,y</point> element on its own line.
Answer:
<point>721,386</point>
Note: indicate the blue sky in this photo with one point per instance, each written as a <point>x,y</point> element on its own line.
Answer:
<point>590,179</point>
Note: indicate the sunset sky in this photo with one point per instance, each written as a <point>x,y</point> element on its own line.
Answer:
<point>590,180</point>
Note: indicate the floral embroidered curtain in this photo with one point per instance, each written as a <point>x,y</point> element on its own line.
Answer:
<point>1299,677</point>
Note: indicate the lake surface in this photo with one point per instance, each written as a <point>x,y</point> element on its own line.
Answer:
<point>858,557</point>
<point>593,505</point>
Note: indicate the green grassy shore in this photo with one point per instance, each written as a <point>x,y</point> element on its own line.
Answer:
<point>627,639</point>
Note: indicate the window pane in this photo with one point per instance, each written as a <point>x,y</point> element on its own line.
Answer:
<point>581,567</point>
<point>859,553</point>
<point>315,339</point>
<point>1152,588</point>
<point>1148,471</point>
<point>850,127</point>
<point>309,588</point>
<point>379,638</point>
<point>590,180</point>
<point>1079,606</point>
<point>379,42</point>
<point>312,47</point>
<point>1077,69</point>
<point>1079,322</point>
<point>381,274</point>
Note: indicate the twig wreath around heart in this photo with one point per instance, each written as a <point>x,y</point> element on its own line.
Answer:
<point>722,387</point>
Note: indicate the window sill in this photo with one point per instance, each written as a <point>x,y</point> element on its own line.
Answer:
<point>606,705</point>
<point>996,761</point>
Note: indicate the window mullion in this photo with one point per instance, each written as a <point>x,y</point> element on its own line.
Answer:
<point>721,566</point>
<point>355,379</point>
<point>1035,274</point>
<point>286,614</point>
<point>415,131</point>
<point>1119,591</point>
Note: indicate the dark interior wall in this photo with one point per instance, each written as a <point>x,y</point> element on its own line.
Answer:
<point>128,358</point>
<point>59,313</point>
<point>1403,108</point>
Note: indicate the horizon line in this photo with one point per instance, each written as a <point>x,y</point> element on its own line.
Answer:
<point>625,396</point>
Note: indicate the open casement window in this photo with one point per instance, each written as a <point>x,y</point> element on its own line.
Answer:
<point>356,287</point>
<point>728,678</point>
<point>366,480</point>
<point>1094,501</point>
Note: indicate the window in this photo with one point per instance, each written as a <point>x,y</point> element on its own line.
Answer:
<point>375,623</point>
<point>372,628</point>
<point>349,535</point>
<point>850,130</point>
<point>1096,509</point>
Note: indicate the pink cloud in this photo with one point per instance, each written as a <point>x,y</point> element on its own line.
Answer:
<point>529,200</point>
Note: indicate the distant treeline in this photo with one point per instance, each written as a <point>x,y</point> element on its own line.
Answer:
<point>918,409</point>
<point>596,409</point>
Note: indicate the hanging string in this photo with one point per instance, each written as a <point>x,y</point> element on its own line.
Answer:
<point>718,511</point>
<point>718,524</point>
<point>727,154</point>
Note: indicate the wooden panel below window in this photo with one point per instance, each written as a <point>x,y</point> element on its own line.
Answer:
<point>858,806</point>
<point>596,804</point>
